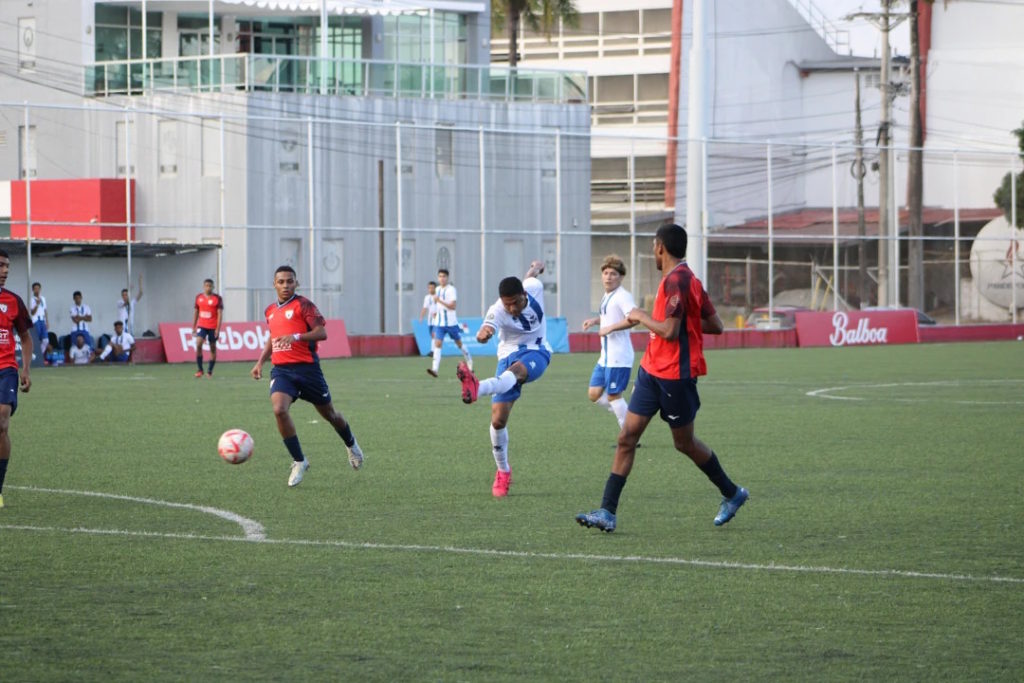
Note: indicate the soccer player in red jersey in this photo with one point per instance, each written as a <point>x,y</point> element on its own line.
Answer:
<point>667,379</point>
<point>206,321</point>
<point>14,317</point>
<point>295,328</point>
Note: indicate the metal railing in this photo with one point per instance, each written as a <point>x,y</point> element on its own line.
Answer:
<point>353,77</point>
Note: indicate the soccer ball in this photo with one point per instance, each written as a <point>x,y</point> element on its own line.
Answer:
<point>235,446</point>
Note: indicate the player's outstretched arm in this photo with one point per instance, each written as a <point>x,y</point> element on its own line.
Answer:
<point>26,358</point>
<point>615,327</point>
<point>536,268</point>
<point>257,369</point>
<point>666,329</point>
<point>712,324</point>
<point>590,322</point>
<point>484,333</point>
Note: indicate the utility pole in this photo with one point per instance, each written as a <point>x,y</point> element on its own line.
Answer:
<point>885,21</point>
<point>915,174</point>
<point>859,171</point>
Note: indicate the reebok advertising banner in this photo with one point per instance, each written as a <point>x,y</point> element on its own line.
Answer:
<point>856,328</point>
<point>558,337</point>
<point>244,341</point>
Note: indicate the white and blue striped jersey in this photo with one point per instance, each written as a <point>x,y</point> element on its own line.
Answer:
<point>616,348</point>
<point>446,317</point>
<point>431,306</point>
<point>528,330</point>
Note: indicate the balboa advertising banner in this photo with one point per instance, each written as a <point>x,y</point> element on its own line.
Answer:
<point>244,341</point>
<point>856,328</point>
<point>558,337</point>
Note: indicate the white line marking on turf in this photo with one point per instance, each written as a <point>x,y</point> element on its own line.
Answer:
<point>253,530</point>
<point>530,555</point>
<point>827,392</point>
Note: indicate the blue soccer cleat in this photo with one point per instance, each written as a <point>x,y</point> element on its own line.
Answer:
<point>727,510</point>
<point>600,518</point>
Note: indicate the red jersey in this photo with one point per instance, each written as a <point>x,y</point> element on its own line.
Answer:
<point>295,316</point>
<point>208,306</point>
<point>13,318</point>
<point>680,295</point>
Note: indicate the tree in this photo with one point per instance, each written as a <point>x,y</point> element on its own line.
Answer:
<point>915,172</point>
<point>538,15</point>
<point>1002,195</point>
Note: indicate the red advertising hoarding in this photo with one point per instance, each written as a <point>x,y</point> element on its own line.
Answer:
<point>856,328</point>
<point>244,341</point>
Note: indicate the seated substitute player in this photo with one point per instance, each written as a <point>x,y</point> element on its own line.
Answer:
<point>206,322</point>
<point>523,356</point>
<point>447,323</point>
<point>295,328</point>
<point>80,352</point>
<point>667,379</point>
<point>120,347</point>
<point>615,364</point>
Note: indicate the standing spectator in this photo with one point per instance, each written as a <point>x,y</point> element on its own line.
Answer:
<point>120,347</point>
<point>81,316</point>
<point>126,308</point>
<point>80,353</point>
<point>37,311</point>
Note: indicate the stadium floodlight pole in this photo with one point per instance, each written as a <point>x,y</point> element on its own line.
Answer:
<point>771,238</point>
<point>483,222</point>
<point>398,213</point>
<point>312,215</point>
<point>835,234</point>
<point>956,239</point>
<point>632,217</point>
<point>25,141</point>
<point>558,220</point>
<point>323,47</point>
<point>696,129</point>
<point>223,210</point>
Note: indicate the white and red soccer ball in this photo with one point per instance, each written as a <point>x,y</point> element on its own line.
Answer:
<point>235,446</point>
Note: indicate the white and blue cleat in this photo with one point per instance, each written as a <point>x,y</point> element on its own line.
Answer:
<point>600,518</point>
<point>727,510</point>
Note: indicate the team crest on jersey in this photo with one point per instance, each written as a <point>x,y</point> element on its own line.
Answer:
<point>209,302</point>
<point>674,301</point>
<point>3,307</point>
<point>288,314</point>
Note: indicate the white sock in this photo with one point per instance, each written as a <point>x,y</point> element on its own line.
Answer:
<point>465,354</point>
<point>619,407</point>
<point>497,385</point>
<point>437,358</point>
<point>499,443</point>
<point>602,400</point>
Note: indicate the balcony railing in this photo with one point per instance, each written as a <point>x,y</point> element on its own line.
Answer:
<point>353,77</point>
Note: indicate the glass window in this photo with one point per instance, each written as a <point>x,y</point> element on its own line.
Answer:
<point>615,89</point>
<point>589,26</point>
<point>621,22</point>
<point>657,21</point>
<point>652,87</point>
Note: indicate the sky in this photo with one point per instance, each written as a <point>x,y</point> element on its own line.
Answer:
<point>864,37</point>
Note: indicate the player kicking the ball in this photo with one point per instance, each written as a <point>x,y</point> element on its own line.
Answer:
<point>523,356</point>
<point>295,328</point>
<point>667,380</point>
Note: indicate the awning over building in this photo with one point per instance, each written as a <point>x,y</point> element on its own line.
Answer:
<point>308,7</point>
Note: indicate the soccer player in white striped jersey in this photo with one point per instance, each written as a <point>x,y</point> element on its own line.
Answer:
<point>523,356</point>
<point>447,322</point>
<point>611,374</point>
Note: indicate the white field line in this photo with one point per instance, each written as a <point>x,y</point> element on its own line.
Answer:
<point>828,392</point>
<point>529,555</point>
<point>252,529</point>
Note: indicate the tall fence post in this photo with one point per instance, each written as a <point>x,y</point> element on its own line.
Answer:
<point>771,237</point>
<point>835,234</point>
<point>312,215</point>
<point>704,211</point>
<point>26,140</point>
<point>558,220</point>
<point>483,222</point>
<point>398,213</point>
<point>956,239</point>
<point>128,196</point>
<point>1014,244</point>
<point>223,210</point>
<point>632,218</point>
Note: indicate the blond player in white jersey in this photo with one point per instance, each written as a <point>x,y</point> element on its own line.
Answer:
<point>445,297</point>
<point>615,365</point>
<point>523,356</point>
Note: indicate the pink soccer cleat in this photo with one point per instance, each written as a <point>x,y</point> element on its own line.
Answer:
<point>470,384</point>
<point>502,480</point>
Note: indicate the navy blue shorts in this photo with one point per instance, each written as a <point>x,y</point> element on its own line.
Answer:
<point>301,380</point>
<point>452,331</point>
<point>612,380</point>
<point>209,335</point>
<point>536,362</point>
<point>676,399</point>
<point>10,380</point>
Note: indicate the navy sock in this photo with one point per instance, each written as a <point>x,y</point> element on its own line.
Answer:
<point>346,434</point>
<point>292,444</point>
<point>612,491</point>
<point>209,369</point>
<point>713,469</point>
<point>199,362</point>
<point>3,473</point>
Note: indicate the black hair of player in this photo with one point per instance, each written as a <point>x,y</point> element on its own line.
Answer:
<point>511,286</point>
<point>443,270</point>
<point>124,291</point>
<point>432,283</point>
<point>73,294</point>
<point>673,238</point>
<point>284,269</point>
<point>118,323</point>
<point>3,252</point>
<point>34,284</point>
<point>206,281</point>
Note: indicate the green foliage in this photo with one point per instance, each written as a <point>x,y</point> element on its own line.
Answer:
<point>922,475</point>
<point>1003,197</point>
<point>537,15</point>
